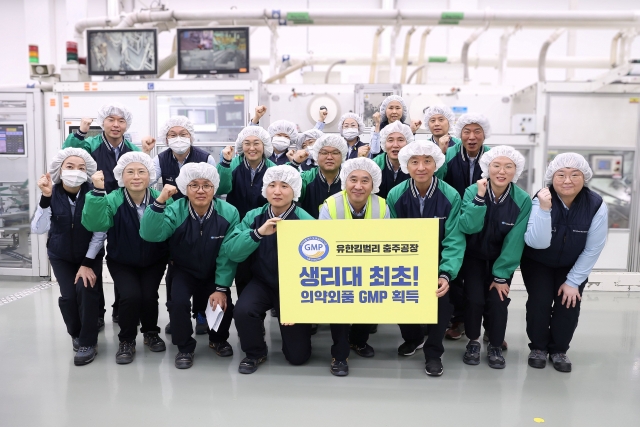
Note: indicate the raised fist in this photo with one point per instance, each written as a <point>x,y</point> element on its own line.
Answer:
<point>98,180</point>
<point>45,185</point>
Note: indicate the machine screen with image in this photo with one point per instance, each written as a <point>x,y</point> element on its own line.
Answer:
<point>122,52</point>
<point>12,140</point>
<point>213,51</point>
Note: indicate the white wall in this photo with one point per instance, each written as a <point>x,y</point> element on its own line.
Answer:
<point>49,23</point>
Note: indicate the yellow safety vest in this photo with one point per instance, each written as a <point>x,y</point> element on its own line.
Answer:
<point>338,206</point>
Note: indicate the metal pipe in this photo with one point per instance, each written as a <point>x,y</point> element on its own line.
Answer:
<point>167,63</point>
<point>542,58</point>
<point>326,76</point>
<point>374,55</point>
<point>405,56</point>
<point>416,71</point>
<point>504,47</point>
<point>288,71</point>
<point>464,55</point>
<point>421,64</point>
<point>392,52</point>
<point>614,48</point>
<point>273,51</point>
<point>624,53</point>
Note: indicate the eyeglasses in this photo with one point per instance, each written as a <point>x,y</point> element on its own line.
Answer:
<point>175,135</point>
<point>329,153</point>
<point>140,173</point>
<point>497,167</point>
<point>573,177</point>
<point>205,187</point>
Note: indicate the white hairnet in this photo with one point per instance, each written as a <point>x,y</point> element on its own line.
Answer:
<point>502,151</point>
<point>134,157</point>
<point>385,104</point>
<point>262,134</point>
<point>181,121</point>
<point>394,127</point>
<point>307,135</point>
<point>56,164</point>
<point>114,110</point>
<point>328,140</point>
<point>364,164</point>
<point>284,126</point>
<point>439,109</point>
<point>569,160</point>
<point>192,171</point>
<point>420,148</point>
<point>469,118</point>
<point>284,173</point>
<point>355,117</point>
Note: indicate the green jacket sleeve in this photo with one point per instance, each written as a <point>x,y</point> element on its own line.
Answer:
<point>225,170</point>
<point>451,153</point>
<point>132,146</point>
<point>88,144</point>
<point>160,221</point>
<point>473,211</point>
<point>242,241</point>
<point>393,196</point>
<point>513,244</point>
<point>454,242</point>
<point>303,215</point>
<point>307,178</point>
<point>381,160</point>
<point>99,209</point>
<point>225,266</point>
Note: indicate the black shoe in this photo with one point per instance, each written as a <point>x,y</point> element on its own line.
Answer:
<point>408,348</point>
<point>167,329</point>
<point>126,352</point>
<point>561,362</point>
<point>75,342</point>
<point>222,349</point>
<point>100,323</point>
<point>274,312</point>
<point>314,328</point>
<point>366,351</point>
<point>538,359</point>
<point>155,343</point>
<point>434,367</point>
<point>115,318</point>
<point>339,368</point>
<point>495,357</point>
<point>472,355</point>
<point>184,360</point>
<point>485,338</point>
<point>85,355</point>
<point>373,329</point>
<point>202,327</point>
<point>249,366</point>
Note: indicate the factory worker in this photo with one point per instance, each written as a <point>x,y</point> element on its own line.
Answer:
<point>195,228</point>
<point>329,152</point>
<point>284,136</point>
<point>351,127</point>
<point>136,266</point>
<point>565,236</point>
<point>461,170</point>
<point>255,241</point>
<point>305,141</point>
<point>494,218</point>
<point>439,119</point>
<point>425,196</point>
<point>241,179</point>
<point>393,109</point>
<point>393,137</point>
<point>360,180</point>
<point>74,252</point>
<point>178,134</point>
<point>106,149</point>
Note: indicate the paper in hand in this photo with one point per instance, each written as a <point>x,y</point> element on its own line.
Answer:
<point>214,317</point>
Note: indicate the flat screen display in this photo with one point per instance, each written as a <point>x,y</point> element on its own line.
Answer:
<point>12,140</point>
<point>122,52</point>
<point>213,50</point>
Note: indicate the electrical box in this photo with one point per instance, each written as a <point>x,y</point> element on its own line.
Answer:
<point>523,124</point>
<point>606,165</point>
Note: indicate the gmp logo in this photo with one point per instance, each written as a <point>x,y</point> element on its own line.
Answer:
<point>313,248</point>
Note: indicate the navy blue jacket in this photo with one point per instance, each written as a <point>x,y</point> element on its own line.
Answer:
<point>569,229</point>
<point>171,169</point>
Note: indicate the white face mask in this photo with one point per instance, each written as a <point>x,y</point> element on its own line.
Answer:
<point>350,133</point>
<point>179,145</point>
<point>73,178</point>
<point>280,143</point>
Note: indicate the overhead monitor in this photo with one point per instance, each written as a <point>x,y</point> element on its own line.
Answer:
<point>122,52</point>
<point>12,140</point>
<point>213,50</point>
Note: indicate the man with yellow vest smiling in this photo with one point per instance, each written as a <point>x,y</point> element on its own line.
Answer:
<point>360,180</point>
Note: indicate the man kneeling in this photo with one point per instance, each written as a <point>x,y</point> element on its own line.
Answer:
<point>255,240</point>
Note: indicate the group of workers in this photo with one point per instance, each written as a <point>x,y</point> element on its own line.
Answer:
<point>214,223</point>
